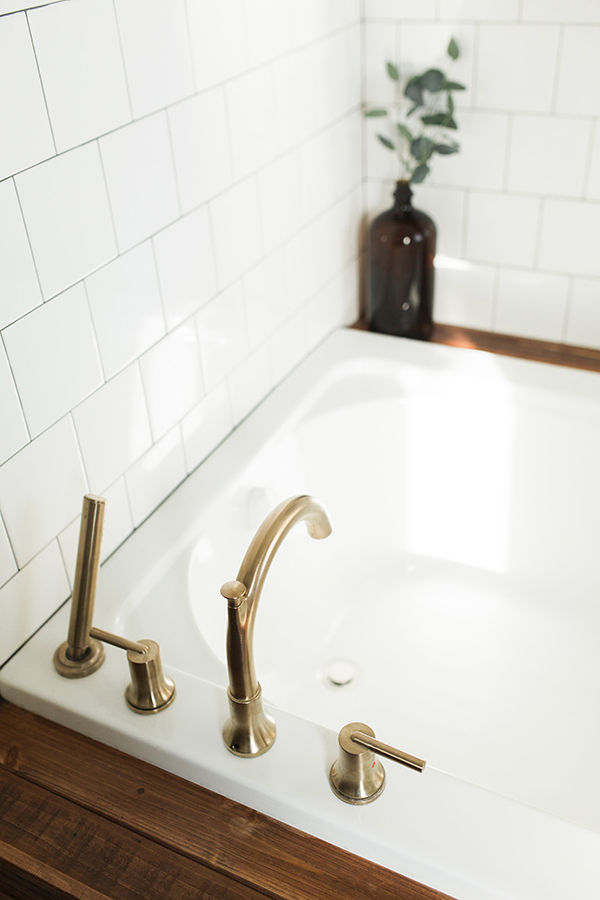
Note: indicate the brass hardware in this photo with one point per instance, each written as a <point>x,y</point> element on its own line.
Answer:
<point>80,655</point>
<point>250,731</point>
<point>356,776</point>
<point>150,690</point>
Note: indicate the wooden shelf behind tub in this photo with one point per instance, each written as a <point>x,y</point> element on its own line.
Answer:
<point>81,821</point>
<point>508,345</point>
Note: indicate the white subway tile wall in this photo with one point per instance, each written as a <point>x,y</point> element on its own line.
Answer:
<point>518,209</point>
<point>182,185</point>
<point>180,193</point>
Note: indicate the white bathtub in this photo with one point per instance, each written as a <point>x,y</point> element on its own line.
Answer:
<point>460,589</point>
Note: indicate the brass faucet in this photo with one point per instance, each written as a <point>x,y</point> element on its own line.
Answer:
<point>250,731</point>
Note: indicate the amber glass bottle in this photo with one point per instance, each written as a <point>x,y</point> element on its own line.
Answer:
<point>400,253</point>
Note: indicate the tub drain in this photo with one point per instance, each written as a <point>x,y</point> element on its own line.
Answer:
<point>340,673</point>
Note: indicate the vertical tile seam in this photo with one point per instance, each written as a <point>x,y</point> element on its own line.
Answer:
<point>123,61</point>
<point>557,69</point>
<point>30,245</point>
<point>18,394</point>
<point>37,65</point>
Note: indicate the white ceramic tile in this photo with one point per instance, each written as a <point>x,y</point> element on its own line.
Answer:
<point>157,54</point>
<point>583,326</point>
<point>288,346</point>
<point>423,45</point>
<point>268,29</point>
<point>218,40</point>
<point>13,434</point>
<point>30,598</point>
<point>569,241</point>
<point>153,477</point>
<point>186,266</point>
<point>593,180</point>
<point>579,71</point>
<point>126,292</point>
<point>345,13</point>
<point>295,98</point>
<point>563,11</point>
<point>172,378</point>
<point>113,428</point>
<point>265,298</point>
<point>324,312</point>
<point>8,565</point>
<point>222,334</point>
<point>305,265</point>
<point>336,63</point>
<point>330,165</point>
<point>78,52</point>
<point>446,207</point>
<point>141,179</point>
<point>279,192</point>
<point>206,426</point>
<point>201,147</point>
<point>19,286</point>
<point>41,489</point>
<point>339,234</point>
<point>250,383</point>
<point>527,83</point>
<point>464,293</point>
<point>502,228</point>
<point>312,20</point>
<point>548,155</point>
<point>54,358</point>
<point>251,109</point>
<point>400,9</point>
<point>67,216</point>
<point>381,46</point>
<point>236,228</point>
<point>26,134</point>
<point>480,10</point>
<point>531,304</point>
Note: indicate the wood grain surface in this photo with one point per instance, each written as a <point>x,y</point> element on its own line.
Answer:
<point>81,820</point>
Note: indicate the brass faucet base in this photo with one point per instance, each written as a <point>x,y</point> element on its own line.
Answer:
<point>250,731</point>
<point>150,690</point>
<point>78,668</point>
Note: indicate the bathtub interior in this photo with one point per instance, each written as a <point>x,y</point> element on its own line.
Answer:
<point>457,596</point>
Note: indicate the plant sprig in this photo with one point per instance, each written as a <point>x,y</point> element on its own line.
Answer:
<point>430,95</point>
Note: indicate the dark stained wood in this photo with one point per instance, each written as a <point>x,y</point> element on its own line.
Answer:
<point>508,345</point>
<point>103,799</point>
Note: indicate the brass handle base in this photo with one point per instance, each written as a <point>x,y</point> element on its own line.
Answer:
<point>150,690</point>
<point>78,668</point>
<point>357,791</point>
<point>250,731</point>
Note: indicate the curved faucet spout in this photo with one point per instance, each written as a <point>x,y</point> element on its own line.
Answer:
<point>242,595</point>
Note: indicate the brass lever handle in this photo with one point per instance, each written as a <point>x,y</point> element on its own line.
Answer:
<point>150,690</point>
<point>357,776</point>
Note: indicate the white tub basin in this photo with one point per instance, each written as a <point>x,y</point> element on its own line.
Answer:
<point>457,600</point>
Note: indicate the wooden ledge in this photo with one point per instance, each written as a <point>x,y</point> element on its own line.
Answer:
<point>508,345</point>
<point>81,821</point>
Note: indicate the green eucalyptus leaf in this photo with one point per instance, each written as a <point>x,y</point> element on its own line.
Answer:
<point>450,123</point>
<point>432,80</point>
<point>452,50</point>
<point>414,91</point>
<point>413,109</point>
<point>405,132</point>
<point>420,174</point>
<point>393,72</point>
<point>422,148</point>
<point>386,142</point>
<point>435,119</point>
<point>445,149</point>
<point>454,86</point>
<point>373,113</point>
<point>450,104</point>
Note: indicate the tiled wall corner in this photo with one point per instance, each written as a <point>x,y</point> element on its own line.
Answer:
<point>180,190</point>
<point>518,209</point>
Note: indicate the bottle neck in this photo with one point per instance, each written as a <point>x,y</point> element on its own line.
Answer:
<point>402,197</point>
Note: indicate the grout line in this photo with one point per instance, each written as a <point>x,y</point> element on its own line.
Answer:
<point>557,68</point>
<point>37,64</point>
<point>29,244</point>
<point>110,209</point>
<point>123,63</point>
